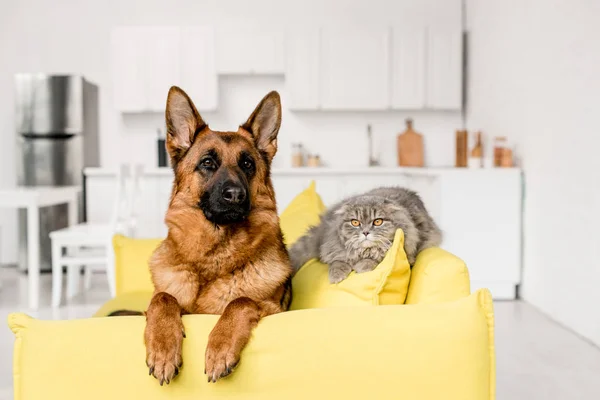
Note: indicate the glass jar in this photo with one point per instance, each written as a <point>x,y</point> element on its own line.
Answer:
<point>500,145</point>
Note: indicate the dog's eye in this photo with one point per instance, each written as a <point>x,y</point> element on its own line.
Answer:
<point>355,222</point>
<point>207,163</point>
<point>247,164</point>
<point>378,222</point>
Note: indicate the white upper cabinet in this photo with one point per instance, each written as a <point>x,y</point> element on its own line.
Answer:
<point>161,64</point>
<point>248,51</point>
<point>198,67</point>
<point>355,68</point>
<point>329,68</point>
<point>444,69</point>
<point>409,48</point>
<point>128,72</point>
<point>302,70</point>
<point>147,61</point>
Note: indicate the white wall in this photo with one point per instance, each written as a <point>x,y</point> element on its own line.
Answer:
<point>534,77</point>
<point>73,36</point>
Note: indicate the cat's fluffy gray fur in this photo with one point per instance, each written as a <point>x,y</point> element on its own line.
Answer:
<point>344,247</point>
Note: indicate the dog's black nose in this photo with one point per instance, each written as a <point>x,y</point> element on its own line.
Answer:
<point>233,194</point>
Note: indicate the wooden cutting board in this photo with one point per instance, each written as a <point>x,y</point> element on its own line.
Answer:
<point>410,147</point>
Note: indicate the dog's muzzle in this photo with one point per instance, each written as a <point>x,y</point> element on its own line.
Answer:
<point>226,203</point>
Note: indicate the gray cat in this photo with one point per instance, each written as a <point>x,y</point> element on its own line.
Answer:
<point>356,233</point>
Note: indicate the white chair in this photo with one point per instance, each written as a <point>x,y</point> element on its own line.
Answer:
<point>90,245</point>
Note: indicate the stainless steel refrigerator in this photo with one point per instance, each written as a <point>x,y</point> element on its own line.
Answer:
<point>57,136</point>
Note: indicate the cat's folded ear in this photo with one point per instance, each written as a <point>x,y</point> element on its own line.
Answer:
<point>391,206</point>
<point>342,210</point>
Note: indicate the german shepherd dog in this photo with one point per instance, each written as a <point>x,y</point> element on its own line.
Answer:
<point>224,252</point>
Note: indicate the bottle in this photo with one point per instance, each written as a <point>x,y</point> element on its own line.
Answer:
<point>314,160</point>
<point>500,146</point>
<point>476,156</point>
<point>162,149</point>
<point>461,148</point>
<point>297,156</point>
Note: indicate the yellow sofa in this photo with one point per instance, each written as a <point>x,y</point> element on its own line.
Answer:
<point>438,345</point>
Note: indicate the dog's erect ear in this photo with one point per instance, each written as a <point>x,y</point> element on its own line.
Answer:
<point>183,123</point>
<point>264,123</point>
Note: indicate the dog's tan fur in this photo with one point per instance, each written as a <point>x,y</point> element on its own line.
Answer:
<point>238,270</point>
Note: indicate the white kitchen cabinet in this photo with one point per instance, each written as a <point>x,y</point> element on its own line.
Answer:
<point>444,69</point>
<point>355,68</point>
<point>145,64</point>
<point>147,61</point>
<point>482,224</point>
<point>162,62</point>
<point>128,73</point>
<point>249,51</point>
<point>408,68</point>
<point>198,67</point>
<point>302,69</point>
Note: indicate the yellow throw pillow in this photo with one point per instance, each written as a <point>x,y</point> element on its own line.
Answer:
<point>302,213</point>
<point>131,263</point>
<point>386,284</point>
<point>438,276</point>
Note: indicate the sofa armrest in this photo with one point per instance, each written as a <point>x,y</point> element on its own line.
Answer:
<point>438,276</point>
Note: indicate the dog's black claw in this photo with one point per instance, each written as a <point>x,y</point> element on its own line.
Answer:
<point>184,334</point>
<point>161,382</point>
<point>176,371</point>
<point>151,370</point>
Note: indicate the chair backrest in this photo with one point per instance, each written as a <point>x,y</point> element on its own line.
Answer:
<point>119,217</point>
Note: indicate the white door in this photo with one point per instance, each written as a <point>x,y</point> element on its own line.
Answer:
<point>250,51</point>
<point>444,69</point>
<point>302,69</point>
<point>355,69</point>
<point>198,70</point>
<point>129,94</point>
<point>408,68</point>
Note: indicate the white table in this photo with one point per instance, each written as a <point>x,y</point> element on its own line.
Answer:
<point>32,198</point>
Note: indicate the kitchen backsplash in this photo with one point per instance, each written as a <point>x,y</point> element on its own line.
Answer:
<point>339,138</point>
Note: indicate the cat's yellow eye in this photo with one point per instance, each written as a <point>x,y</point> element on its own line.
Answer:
<point>355,222</point>
<point>378,222</point>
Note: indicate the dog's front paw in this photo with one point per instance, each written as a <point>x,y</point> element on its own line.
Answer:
<point>338,271</point>
<point>221,357</point>
<point>365,265</point>
<point>163,352</point>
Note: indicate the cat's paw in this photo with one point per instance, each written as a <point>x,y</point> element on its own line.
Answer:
<point>338,271</point>
<point>365,265</point>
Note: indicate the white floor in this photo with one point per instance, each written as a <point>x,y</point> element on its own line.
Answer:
<point>536,358</point>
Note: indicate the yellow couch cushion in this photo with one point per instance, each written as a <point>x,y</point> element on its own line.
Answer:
<point>386,284</point>
<point>438,276</point>
<point>303,212</point>
<point>419,352</point>
<point>131,263</point>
